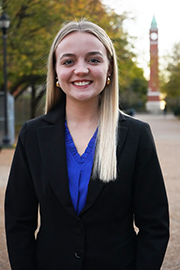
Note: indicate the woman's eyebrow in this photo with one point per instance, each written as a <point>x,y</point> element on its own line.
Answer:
<point>67,55</point>
<point>95,53</point>
<point>89,53</point>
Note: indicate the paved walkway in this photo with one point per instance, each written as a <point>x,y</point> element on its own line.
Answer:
<point>166,130</point>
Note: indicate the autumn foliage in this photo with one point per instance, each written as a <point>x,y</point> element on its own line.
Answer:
<point>34,24</point>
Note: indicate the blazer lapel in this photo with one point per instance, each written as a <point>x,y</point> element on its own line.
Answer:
<point>96,185</point>
<point>95,188</point>
<point>51,140</point>
<point>122,132</point>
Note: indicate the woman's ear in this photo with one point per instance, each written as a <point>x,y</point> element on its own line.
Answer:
<point>110,69</point>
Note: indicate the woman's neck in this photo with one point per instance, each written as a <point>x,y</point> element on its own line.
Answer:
<point>82,120</point>
<point>82,112</point>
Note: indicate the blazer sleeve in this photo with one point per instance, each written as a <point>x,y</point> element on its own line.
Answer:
<point>21,208</point>
<point>150,205</point>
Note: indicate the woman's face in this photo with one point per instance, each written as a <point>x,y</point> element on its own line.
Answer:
<point>82,66</point>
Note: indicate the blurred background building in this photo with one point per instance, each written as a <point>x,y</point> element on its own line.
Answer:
<point>153,103</point>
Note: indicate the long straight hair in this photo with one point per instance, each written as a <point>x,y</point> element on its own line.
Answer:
<point>105,161</point>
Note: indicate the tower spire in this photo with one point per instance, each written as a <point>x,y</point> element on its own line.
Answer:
<point>153,95</point>
<point>153,23</point>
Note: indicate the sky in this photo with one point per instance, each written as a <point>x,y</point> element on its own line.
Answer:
<point>167,15</point>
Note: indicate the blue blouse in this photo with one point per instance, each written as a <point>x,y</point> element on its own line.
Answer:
<point>79,169</point>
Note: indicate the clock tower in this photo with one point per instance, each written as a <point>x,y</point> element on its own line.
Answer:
<point>153,103</point>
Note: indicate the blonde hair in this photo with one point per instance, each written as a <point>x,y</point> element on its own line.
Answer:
<point>105,163</point>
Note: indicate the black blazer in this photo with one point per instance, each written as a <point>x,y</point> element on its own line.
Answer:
<point>102,236</point>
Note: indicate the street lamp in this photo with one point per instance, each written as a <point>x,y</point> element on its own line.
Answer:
<point>4,25</point>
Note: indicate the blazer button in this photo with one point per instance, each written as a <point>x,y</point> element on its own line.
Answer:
<point>78,254</point>
<point>78,230</point>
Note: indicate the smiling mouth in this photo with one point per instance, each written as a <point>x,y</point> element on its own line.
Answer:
<point>82,83</point>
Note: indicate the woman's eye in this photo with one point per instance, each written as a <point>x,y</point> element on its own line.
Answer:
<point>94,60</point>
<point>67,62</point>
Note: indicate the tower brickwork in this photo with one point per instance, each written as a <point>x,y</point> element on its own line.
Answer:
<point>153,103</point>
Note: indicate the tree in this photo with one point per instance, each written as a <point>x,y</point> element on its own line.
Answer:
<point>134,93</point>
<point>34,23</point>
<point>28,43</point>
<point>171,86</point>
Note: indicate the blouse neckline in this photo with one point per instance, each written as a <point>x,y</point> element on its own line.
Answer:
<point>80,159</point>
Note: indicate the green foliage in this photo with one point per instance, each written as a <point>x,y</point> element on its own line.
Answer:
<point>34,23</point>
<point>172,86</point>
<point>29,37</point>
<point>133,94</point>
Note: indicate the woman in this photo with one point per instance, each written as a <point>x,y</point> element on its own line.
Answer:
<point>92,170</point>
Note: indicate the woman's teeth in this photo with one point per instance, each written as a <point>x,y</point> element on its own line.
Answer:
<point>81,83</point>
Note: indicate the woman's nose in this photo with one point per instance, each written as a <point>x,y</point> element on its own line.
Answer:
<point>81,69</point>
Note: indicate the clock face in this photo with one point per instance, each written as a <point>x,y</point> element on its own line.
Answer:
<point>154,36</point>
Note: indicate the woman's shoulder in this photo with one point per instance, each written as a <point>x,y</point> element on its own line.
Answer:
<point>51,118</point>
<point>33,123</point>
<point>127,120</point>
<point>29,128</point>
<point>132,124</point>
